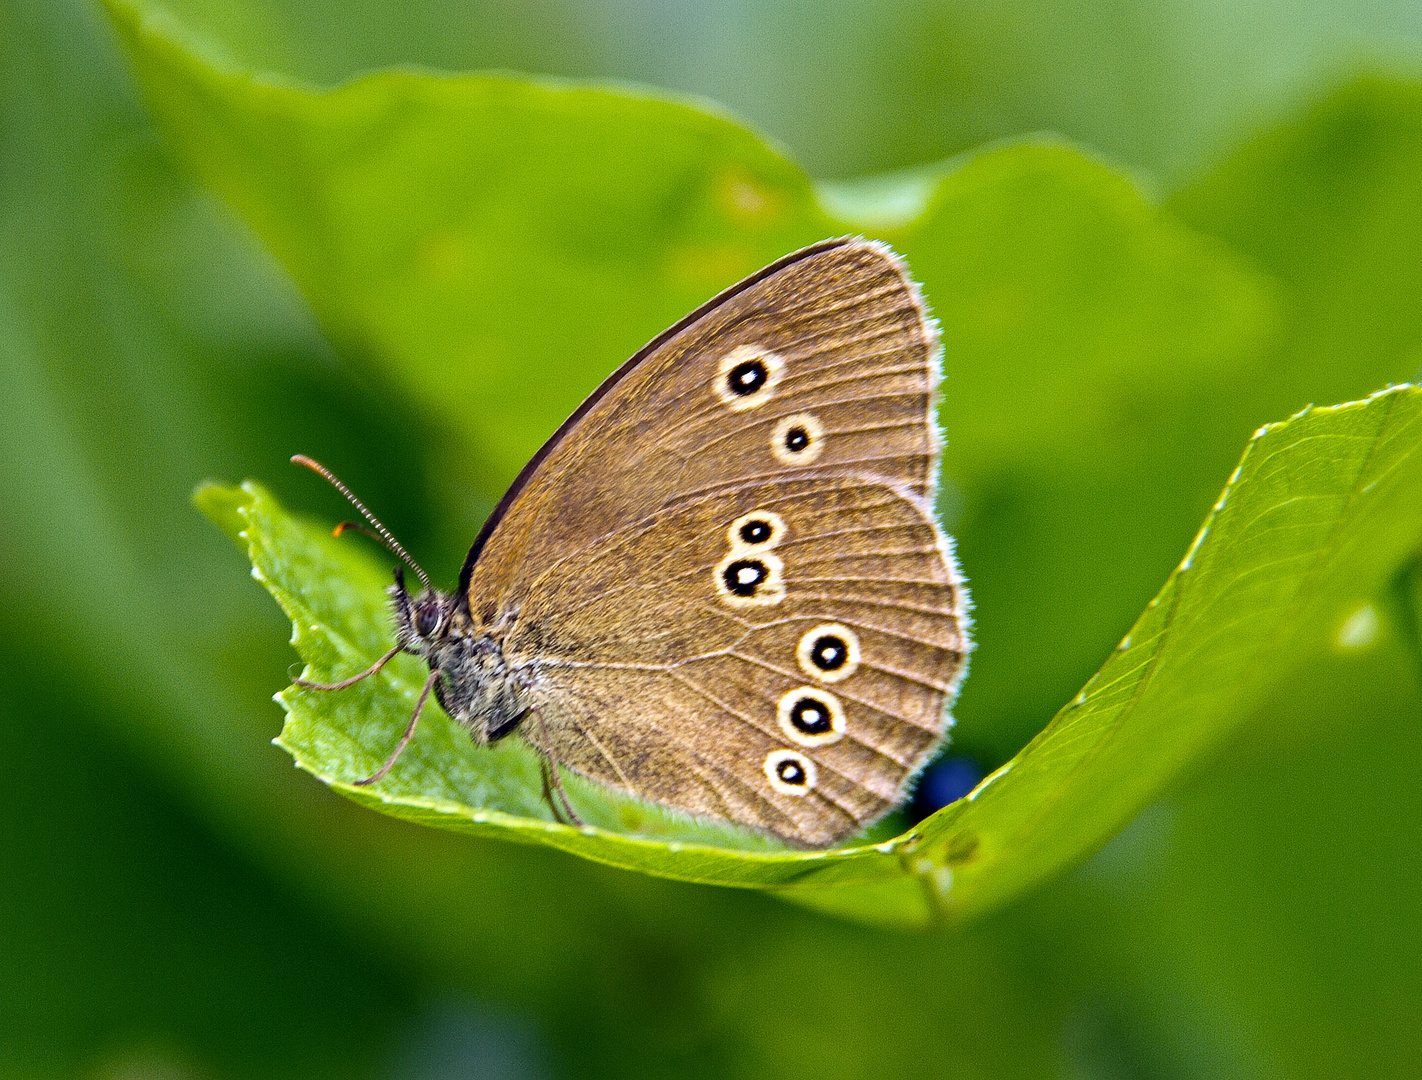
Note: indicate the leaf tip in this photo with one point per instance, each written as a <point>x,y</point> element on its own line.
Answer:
<point>225,506</point>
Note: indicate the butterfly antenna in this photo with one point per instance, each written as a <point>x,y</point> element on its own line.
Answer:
<point>381,533</point>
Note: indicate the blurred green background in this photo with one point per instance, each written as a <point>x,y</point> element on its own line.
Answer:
<point>177,901</point>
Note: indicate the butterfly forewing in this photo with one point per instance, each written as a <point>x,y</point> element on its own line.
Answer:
<point>722,583</point>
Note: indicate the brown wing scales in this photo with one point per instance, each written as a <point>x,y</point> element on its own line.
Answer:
<point>704,683</point>
<point>727,591</point>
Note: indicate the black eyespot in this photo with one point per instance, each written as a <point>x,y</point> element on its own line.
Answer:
<point>796,439</point>
<point>744,576</point>
<point>756,532</point>
<point>829,652</point>
<point>810,717</point>
<point>747,377</point>
<point>791,771</point>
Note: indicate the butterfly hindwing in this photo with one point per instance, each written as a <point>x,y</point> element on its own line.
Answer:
<point>659,674</point>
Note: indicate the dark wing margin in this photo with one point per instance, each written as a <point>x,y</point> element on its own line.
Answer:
<point>491,523</point>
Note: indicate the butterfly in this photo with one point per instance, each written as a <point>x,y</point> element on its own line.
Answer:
<point>720,585</point>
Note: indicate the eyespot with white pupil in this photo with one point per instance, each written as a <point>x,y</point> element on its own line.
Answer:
<point>790,772</point>
<point>829,652</point>
<point>750,579</point>
<point>797,439</point>
<point>744,576</point>
<point>747,376</point>
<point>760,530</point>
<point>811,716</point>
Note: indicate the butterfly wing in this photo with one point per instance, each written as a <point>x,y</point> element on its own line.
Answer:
<point>725,587</point>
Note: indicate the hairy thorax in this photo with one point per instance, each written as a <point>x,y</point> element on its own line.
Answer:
<point>476,684</point>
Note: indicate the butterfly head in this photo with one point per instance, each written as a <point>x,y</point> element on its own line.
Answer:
<point>423,620</point>
<point>477,687</point>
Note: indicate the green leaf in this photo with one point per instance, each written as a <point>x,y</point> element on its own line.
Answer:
<point>1404,602</point>
<point>1316,519</point>
<point>1322,510</point>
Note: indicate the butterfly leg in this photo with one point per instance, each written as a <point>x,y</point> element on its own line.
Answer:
<point>560,815</point>
<point>547,788</point>
<point>551,780</point>
<point>405,738</point>
<point>367,673</point>
<point>543,768</point>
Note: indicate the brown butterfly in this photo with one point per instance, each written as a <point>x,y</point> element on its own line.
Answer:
<point>720,586</point>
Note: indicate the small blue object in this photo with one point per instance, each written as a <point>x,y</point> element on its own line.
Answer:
<point>945,781</point>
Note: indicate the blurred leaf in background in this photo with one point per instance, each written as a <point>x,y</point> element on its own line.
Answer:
<point>857,88</point>
<point>177,897</point>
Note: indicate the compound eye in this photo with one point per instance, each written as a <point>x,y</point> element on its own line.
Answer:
<point>426,620</point>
